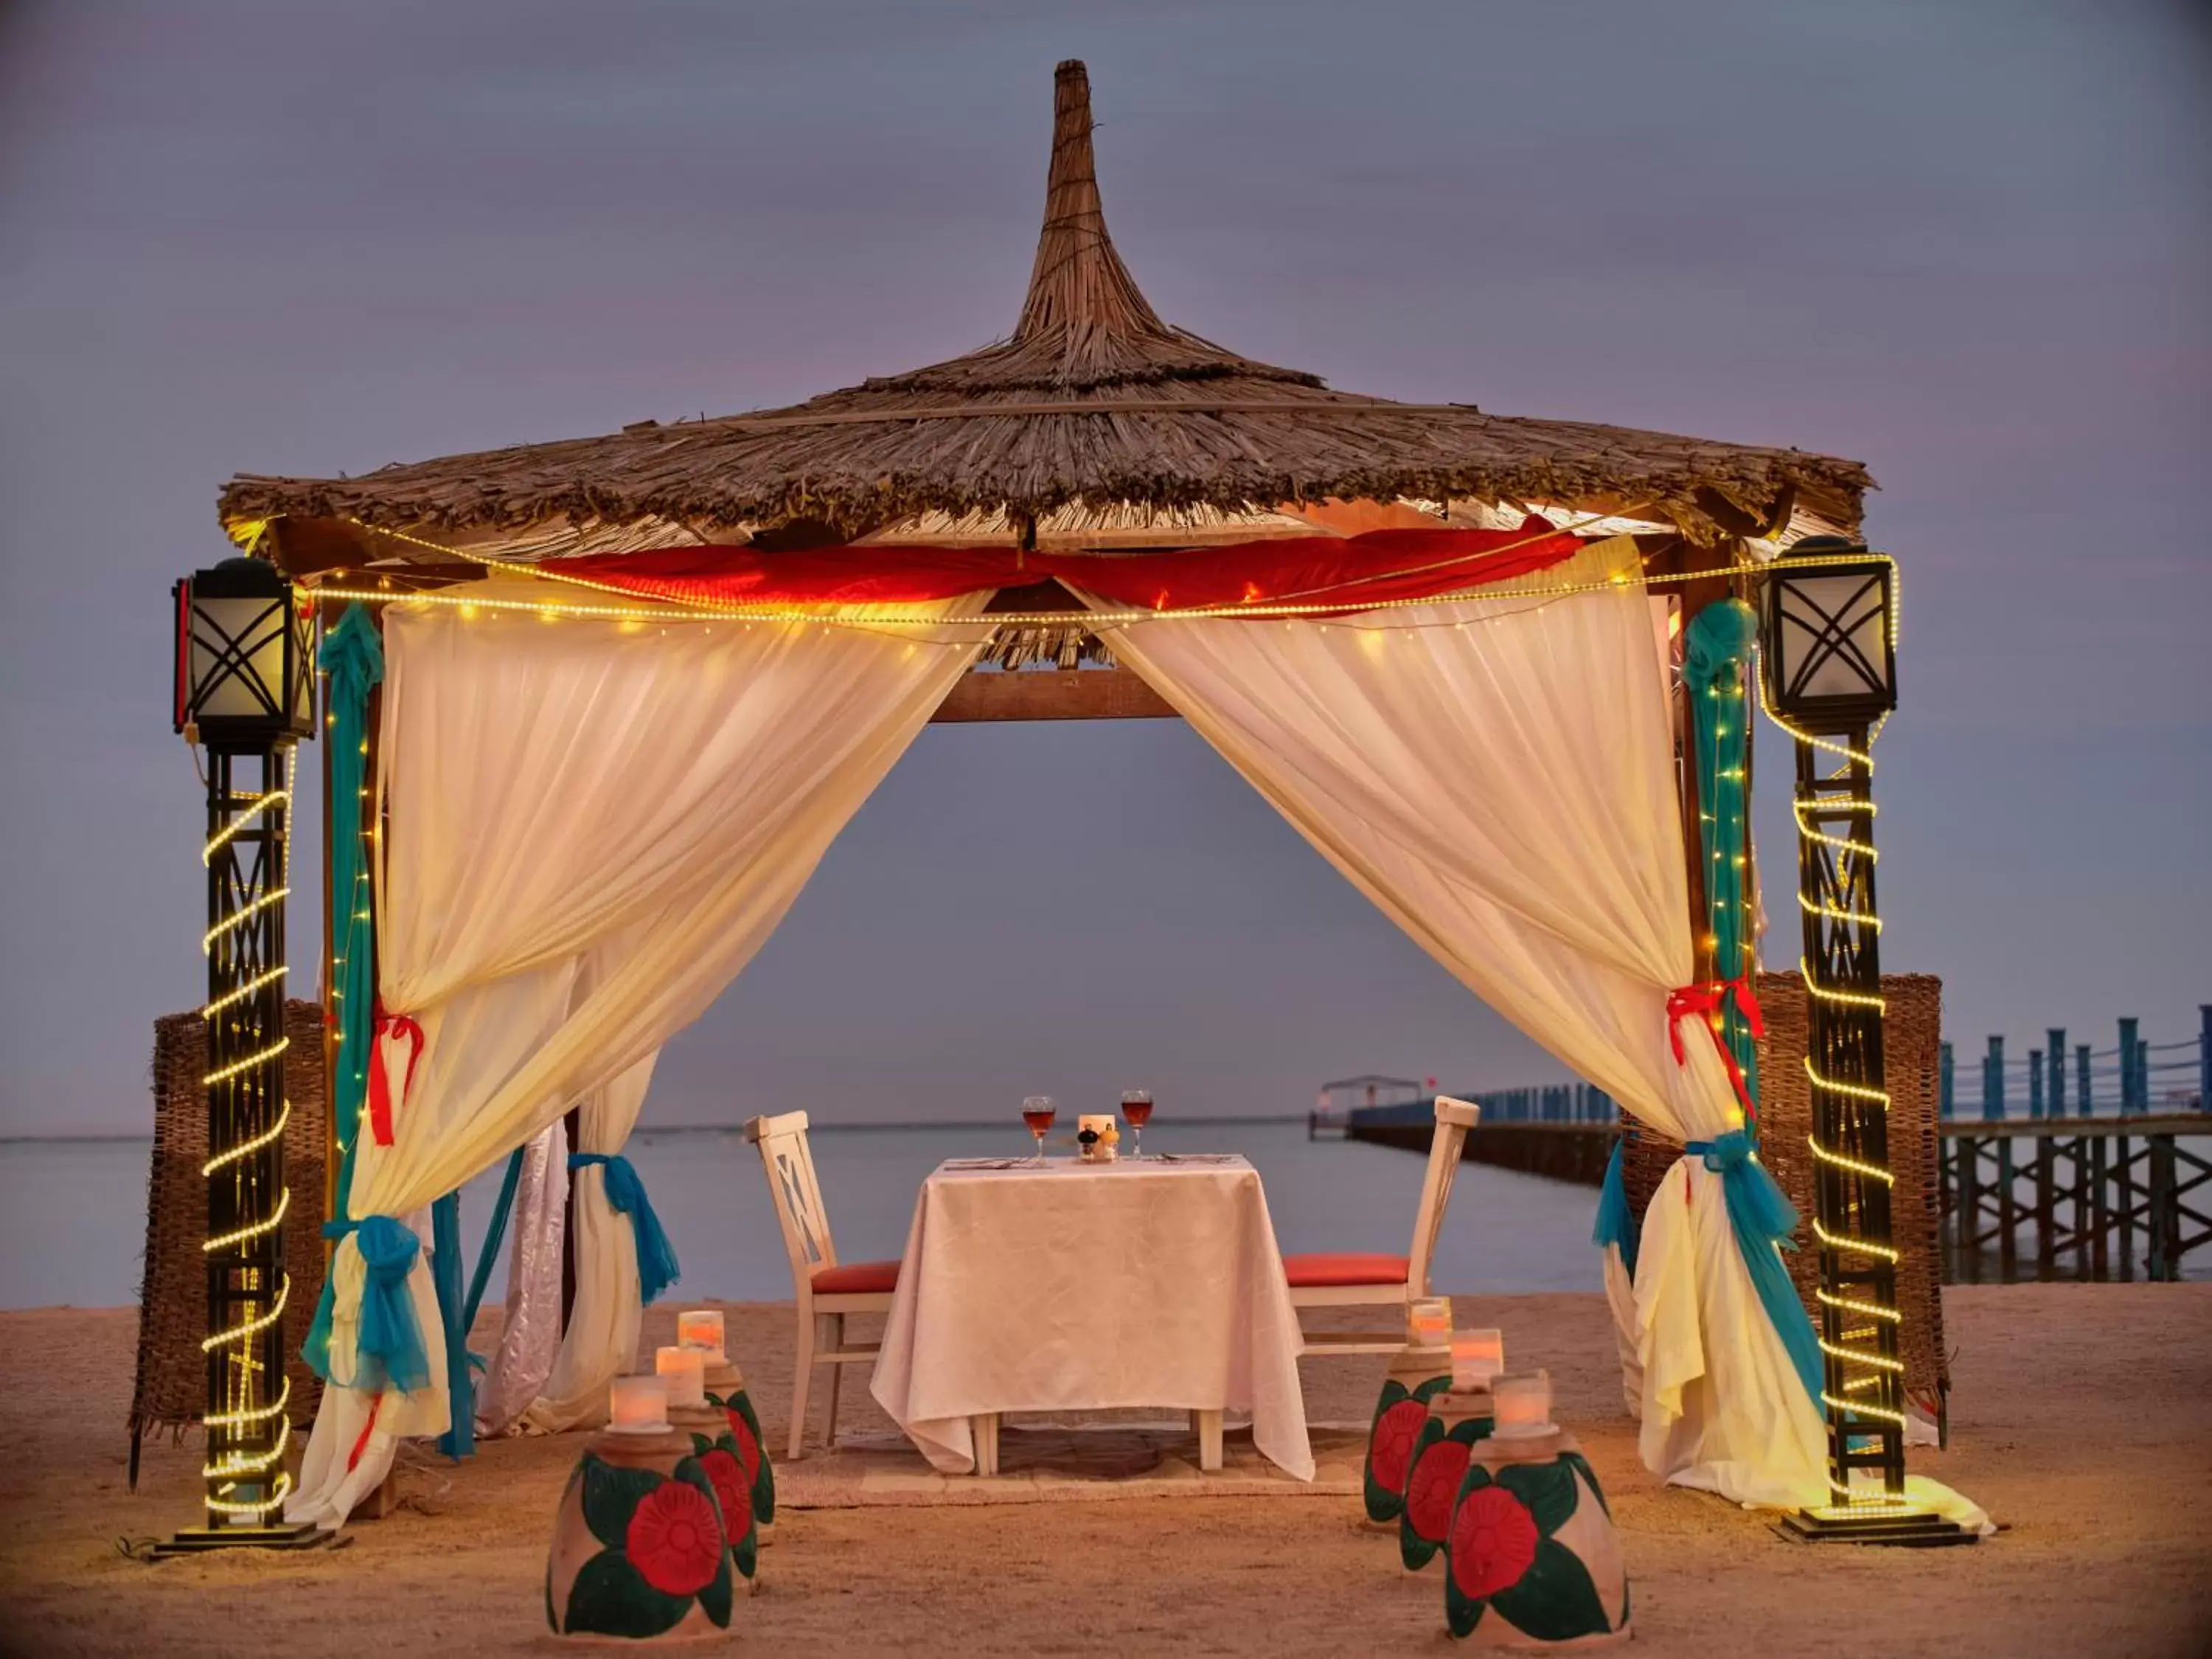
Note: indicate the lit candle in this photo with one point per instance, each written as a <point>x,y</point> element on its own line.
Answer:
<point>701,1328</point>
<point>1524,1405</point>
<point>638,1404</point>
<point>1477,1357</point>
<point>684,1370</point>
<point>1428,1322</point>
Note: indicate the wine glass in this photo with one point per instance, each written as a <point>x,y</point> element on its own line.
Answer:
<point>1137,1106</point>
<point>1038,1111</point>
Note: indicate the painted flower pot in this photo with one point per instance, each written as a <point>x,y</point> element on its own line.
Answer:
<point>716,1450</point>
<point>1415,1376</point>
<point>1531,1557</point>
<point>1438,1466</point>
<point>726,1392</point>
<point>639,1550</point>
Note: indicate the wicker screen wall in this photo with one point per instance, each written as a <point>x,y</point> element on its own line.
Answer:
<point>172,1386</point>
<point>1911,1049</point>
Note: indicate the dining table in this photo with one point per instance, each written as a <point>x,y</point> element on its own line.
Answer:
<point>1062,1286</point>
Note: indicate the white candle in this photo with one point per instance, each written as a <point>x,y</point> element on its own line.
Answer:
<point>701,1328</point>
<point>637,1405</point>
<point>1429,1323</point>
<point>1477,1357</point>
<point>684,1370</point>
<point>1524,1405</point>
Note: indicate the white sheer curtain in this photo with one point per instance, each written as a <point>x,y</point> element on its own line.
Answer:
<point>594,826</point>
<point>1496,774</point>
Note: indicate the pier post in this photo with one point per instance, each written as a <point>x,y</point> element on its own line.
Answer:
<point>1947,1071</point>
<point>2082,1103</point>
<point>2054,1049</point>
<point>1993,1102</point>
<point>2204,1056</point>
<point>2131,1094</point>
<point>2035,1084</point>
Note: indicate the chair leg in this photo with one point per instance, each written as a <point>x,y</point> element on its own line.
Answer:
<point>1209,1440</point>
<point>802,1383</point>
<point>833,1333</point>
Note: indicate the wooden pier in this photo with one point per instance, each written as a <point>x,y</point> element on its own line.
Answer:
<point>2087,1198</point>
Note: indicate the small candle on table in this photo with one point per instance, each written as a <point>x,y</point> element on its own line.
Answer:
<point>684,1372</point>
<point>1523,1405</point>
<point>701,1328</point>
<point>1429,1321</point>
<point>637,1405</point>
<point>1477,1357</point>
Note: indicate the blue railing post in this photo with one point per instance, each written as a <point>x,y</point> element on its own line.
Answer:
<point>2130,1099</point>
<point>2055,1047</point>
<point>2082,1102</point>
<point>1993,1104</point>
<point>1950,1098</point>
<point>2035,1084</point>
<point>2204,1057</point>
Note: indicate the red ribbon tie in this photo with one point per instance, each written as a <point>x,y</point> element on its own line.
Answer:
<point>392,1028</point>
<point>1702,1002</point>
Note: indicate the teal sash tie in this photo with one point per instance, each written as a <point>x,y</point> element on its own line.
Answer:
<point>657,1266</point>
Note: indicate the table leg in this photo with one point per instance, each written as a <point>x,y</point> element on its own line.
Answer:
<point>1209,1440</point>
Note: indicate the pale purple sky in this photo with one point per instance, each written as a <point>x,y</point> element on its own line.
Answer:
<point>1970,244</point>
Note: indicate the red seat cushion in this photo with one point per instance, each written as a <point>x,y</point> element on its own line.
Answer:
<point>866,1278</point>
<point>1308,1273</point>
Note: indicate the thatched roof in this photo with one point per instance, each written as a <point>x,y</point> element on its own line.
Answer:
<point>1093,405</point>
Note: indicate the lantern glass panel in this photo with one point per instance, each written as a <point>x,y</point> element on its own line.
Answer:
<point>238,659</point>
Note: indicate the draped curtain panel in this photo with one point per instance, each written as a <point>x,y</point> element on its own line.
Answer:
<point>1495,774</point>
<point>594,826</point>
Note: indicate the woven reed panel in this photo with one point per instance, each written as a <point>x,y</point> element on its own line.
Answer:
<point>172,1386</point>
<point>1912,1048</point>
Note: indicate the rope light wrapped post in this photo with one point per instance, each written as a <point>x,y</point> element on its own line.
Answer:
<point>245,691</point>
<point>1830,651</point>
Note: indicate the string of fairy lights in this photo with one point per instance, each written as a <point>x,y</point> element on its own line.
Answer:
<point>245,1408</point>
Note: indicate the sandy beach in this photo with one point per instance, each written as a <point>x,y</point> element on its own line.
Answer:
<point>2082,1421</point>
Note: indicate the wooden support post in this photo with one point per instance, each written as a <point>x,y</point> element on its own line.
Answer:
<point>2100,1209</point>
<point>2046,1208</point>
<point>2124,1197</point>
<point>2081,1145</point>
<point>2007,1216</point>
<point>2164,1218</point>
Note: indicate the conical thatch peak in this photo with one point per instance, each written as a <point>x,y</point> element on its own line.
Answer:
<point>1094,417</point>
<point>1079,283</point>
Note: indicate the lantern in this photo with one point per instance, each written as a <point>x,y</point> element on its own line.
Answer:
<point>245,667</point>
<point>1830,644</point>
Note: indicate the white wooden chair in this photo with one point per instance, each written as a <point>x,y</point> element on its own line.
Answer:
<point>1362,1280</point>
<point>825,1289</point>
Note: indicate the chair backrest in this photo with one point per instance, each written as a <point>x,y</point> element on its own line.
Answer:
<point>1446,1147</point>
<point>789,1162</point>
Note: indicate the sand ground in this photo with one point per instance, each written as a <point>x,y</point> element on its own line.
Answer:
<point>2082,1420</point>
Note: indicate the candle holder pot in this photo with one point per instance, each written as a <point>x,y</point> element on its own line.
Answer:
<point>639,1550</point>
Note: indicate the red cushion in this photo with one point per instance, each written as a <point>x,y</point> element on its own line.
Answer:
<point>866,1278</point>
<point>1344,1267</point>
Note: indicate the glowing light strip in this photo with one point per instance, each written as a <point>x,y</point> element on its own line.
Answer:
<point>833,618</point>
<point>1865,1245</point>
<point>1880,1362</point>
<point>1826,994</point>
<point>243,992</point>
<point>1853,1090</point>
<point>1860,1408</point>
<point>252,1327</point>
<point>1871,1171</point>
<point>277,1492</point>
<point>244,913</point>
<point>251,1229</point>
<point>259,1414</point>
<point>1871,1310</point>
<point>239,1463</point>
<point>246,813</point>
<point>246,1149</point>
<point>249,1062</point>
<point>1862,918</point>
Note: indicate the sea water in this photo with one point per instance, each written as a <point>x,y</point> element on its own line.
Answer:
<point>73,1212</point>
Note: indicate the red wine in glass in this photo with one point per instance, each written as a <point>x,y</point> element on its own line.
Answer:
<point>1137,1106</point>
<point>1038,1112</point>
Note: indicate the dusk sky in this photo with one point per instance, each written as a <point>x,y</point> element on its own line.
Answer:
<point>1969,244</point>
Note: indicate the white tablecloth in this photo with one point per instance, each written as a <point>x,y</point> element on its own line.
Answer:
<point>1071,1286</point>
